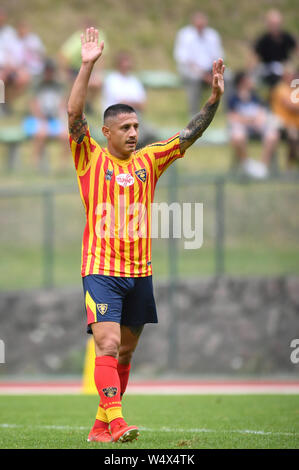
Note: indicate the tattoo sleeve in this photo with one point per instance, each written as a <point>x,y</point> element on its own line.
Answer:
<point>78,129</point>
<point>197,125</point>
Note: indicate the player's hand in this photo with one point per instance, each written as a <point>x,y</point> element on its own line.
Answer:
<point>90,49</point>
<point>218,80</point>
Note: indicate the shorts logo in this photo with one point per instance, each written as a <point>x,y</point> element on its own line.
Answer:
<point>141,174</point>
<point>102,308</point>
<point>125,179</point>
<point>110,392</point>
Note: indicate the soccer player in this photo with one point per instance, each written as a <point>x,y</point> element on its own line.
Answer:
<point>117,187</point>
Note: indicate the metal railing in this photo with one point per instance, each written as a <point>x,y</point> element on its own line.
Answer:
<point>170,184</point>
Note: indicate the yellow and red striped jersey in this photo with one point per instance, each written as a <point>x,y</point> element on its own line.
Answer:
<point>117,196</point>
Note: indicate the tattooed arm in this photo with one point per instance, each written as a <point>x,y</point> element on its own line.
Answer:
<point>90,51</point>
<point>202,120</point>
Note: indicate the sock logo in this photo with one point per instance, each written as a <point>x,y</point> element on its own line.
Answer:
<point>110,392</point>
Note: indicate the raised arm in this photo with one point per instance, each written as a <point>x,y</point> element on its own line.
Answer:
<point>202,120</point>
<point>90,52</point>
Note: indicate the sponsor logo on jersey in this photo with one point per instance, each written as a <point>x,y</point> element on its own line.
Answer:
<point>102,308</point>
<point>110,392</point>
<point>125,179</point>
<point>141,174</point>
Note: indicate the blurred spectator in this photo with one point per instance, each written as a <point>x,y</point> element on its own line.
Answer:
<point>122,86</point>
<point>70,52</point>
<point>273,48</point>
<point>249,118</point>
<point>196,47</point>
<point>12,71</point>
<point>31,50</point>
<point>47,119</point>
<point>285,104</point>
<point>70,61</point>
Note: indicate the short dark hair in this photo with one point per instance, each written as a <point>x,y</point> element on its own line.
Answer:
<point>239,77</point>
<point>116,109</point>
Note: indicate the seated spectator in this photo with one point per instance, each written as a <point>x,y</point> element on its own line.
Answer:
<point>47,117</point>
<point>122,86</point>
<point>273,49</point>
<point>12,71</point>
<point>196,47</point>
<point>285,105</point>
<point>31,50</point>
<point>249,118</point>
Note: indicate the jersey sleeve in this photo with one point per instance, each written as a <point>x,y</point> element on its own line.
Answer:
<point>82,152</point>
<point>164,153</point>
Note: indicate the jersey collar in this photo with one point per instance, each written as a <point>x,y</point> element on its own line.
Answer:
<point>118,161</point>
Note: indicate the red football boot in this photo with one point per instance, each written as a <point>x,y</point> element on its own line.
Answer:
<point>99,434</point>
<point>121,432</point>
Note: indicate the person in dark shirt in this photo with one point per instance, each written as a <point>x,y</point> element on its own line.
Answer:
<point>46,118</point>
<point>274,48</point>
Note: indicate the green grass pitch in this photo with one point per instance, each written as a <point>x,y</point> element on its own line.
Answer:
<point>166,422</point>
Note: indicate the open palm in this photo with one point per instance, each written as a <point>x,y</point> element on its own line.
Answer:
<point>90,49</point>
<point>218,80</point>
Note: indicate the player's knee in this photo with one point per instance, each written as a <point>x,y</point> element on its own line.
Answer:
<point>125,354</point>
<point>107,346</point>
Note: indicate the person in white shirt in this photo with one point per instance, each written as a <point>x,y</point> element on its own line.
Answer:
<point>196,47</point>
<point>12,72</point>
<point>31,50</point>
<point>122,86</point>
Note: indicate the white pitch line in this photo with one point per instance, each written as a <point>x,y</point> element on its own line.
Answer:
<point>155,430</point>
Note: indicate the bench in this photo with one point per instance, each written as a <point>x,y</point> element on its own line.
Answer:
<point>159,79</point>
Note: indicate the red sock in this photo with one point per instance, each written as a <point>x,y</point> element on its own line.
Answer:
<point>101,422</point>
<point>108,384</point>
<point>123,372</point>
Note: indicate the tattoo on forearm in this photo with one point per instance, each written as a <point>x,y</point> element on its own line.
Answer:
<point>136,330</point>
<point>78,129</point>
<point>198,125</point>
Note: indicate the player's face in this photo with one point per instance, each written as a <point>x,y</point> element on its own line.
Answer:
<point>122,134</point>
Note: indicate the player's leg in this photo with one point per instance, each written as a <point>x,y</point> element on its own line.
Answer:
<point>103,299</point>
<point>107,342</point>
<point>139,308</point>
<point>106,338</point>
<point>129,340</point>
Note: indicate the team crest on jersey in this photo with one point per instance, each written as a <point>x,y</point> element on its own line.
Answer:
<point>141,174</point>
<point>110,392</point>
<point>125,179</point>
<point>102,308</point>
<point>108,175</point>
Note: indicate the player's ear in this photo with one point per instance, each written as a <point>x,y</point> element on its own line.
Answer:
<point>106,131</point>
